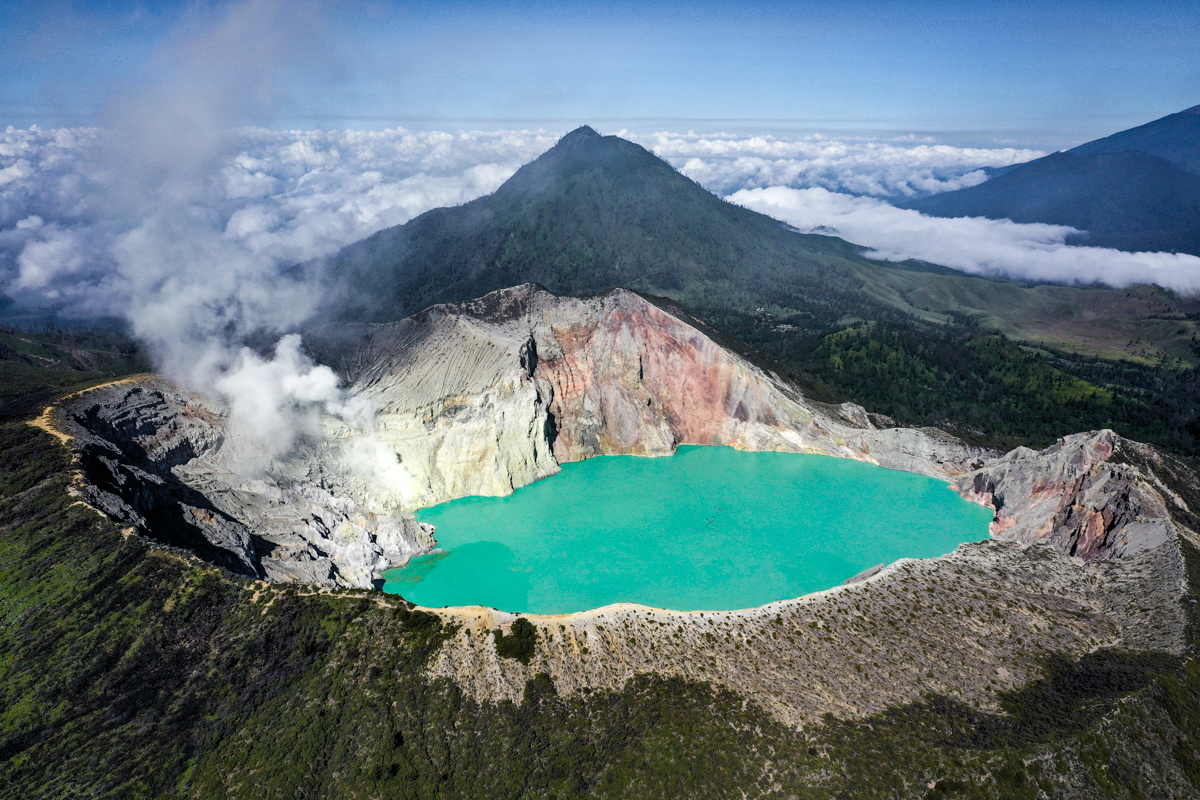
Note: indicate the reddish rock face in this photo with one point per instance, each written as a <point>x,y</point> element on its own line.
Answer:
<point>1072,495</point>
<point>633,379</point>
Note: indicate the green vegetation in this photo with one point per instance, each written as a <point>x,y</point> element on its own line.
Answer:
<point>982,387</point>
<point>520,643</point>
<point>993,391</point>
<point>37,366</point>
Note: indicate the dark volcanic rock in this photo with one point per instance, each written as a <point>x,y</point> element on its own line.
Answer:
<point>129,440</point>
<point>156,458</point>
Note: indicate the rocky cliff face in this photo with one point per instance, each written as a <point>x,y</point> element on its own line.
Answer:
<point>486,396</point>
<point>156,458</point>
<point>1076,496</point>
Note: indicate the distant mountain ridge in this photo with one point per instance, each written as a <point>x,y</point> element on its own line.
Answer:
<point>1174,138</point>
<point>599,212</point>
<point>1136,190</point>
<point>593,213</point>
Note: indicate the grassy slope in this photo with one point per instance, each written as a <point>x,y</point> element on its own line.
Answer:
<point>1145,324</point>
<point>37,367</point>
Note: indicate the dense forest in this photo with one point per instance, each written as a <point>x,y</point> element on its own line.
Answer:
<point>979,385</point>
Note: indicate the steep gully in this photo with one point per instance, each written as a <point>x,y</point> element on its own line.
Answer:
<point>486,396</point>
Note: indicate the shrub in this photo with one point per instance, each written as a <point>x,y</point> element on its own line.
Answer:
<point>520,642</point>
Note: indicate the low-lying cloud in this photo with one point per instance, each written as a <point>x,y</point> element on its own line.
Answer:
<point>277,198</point>
<point>899,168</point>
<point>280,197</point>
<point>972,244</point>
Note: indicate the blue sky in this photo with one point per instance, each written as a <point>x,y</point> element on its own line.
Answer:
<point>1033,73</point>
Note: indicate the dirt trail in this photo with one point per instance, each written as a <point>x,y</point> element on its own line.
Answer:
<point>46,422</point>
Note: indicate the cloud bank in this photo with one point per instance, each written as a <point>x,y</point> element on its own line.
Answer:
<point>972,244</point>
<point>281,197</point>
<point>270,199</point>
<point>277,198</point>
<point>899,168</point>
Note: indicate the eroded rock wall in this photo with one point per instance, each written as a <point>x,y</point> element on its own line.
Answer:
<point>154,457</point>
<point>484,397</point>
<point>1076,496</point>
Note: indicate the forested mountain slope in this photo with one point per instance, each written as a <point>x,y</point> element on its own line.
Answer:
<point>1175,137</point>
<point>1137,190</point>
<point>596,212</point>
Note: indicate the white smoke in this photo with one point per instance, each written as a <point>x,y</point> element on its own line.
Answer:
<point>279,398</point>
<point>157,216</point>
<point>191,291</point>
<point>971,244</point>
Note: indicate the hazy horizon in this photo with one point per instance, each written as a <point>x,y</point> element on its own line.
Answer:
<point>1014,73</point>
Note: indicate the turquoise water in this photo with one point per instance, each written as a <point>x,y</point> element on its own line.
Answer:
<point>710,528</point>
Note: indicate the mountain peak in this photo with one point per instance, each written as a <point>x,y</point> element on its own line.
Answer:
<point>583,151</point>
<point>588,132</point>
<point>592,213</point>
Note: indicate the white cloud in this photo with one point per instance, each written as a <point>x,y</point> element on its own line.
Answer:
<point>281,197</point>
<point>277,198</point>
<point>896,168</point>
<point>49,259</point>
<point>971,244</point>
<point>16,171</point>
